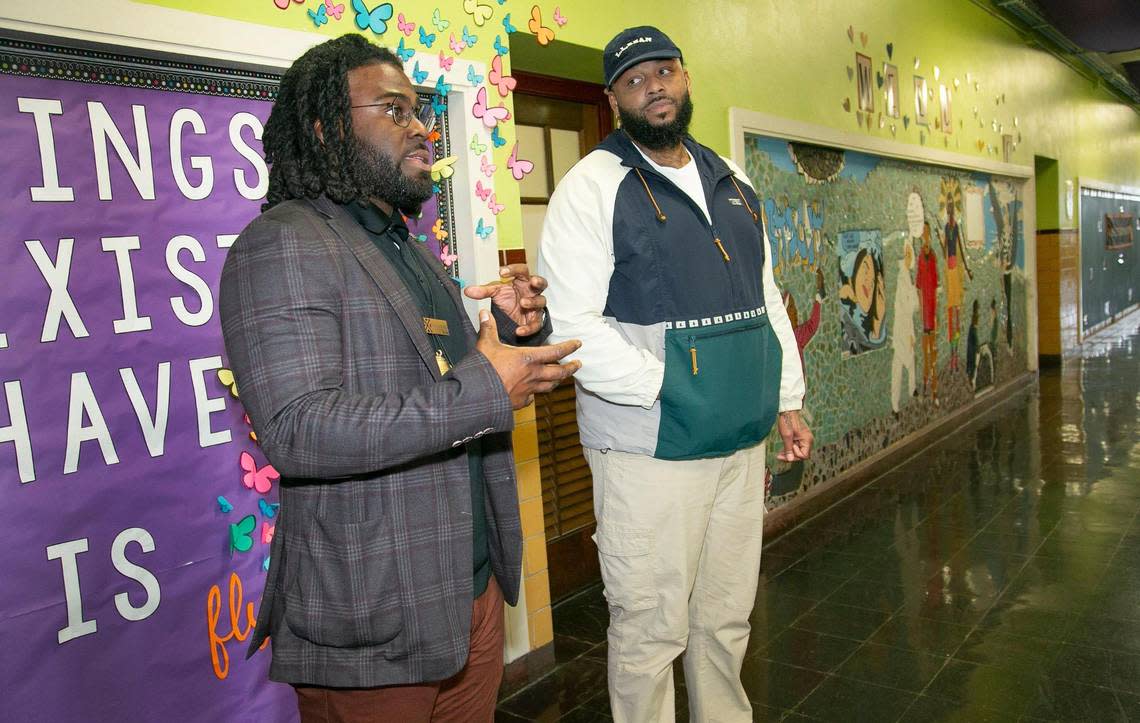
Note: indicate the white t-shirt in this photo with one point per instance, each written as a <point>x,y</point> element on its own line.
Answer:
<point>686,178</point>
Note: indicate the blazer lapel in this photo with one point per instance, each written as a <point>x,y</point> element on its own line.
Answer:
<point>389,283</point>
<point>452,291</point>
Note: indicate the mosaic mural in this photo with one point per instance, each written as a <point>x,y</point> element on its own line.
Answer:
<point>905,284</point>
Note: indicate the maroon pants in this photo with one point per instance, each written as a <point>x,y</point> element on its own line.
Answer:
<point>467,697</point>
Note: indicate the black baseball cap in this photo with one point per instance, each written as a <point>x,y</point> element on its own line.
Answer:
<point>635,45</point>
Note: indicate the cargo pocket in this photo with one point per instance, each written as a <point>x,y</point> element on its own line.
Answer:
<point>626,558</point>
<point>342,585</point>
<point>721,388</point>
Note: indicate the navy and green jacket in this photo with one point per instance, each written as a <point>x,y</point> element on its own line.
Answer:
<point>687,351</point>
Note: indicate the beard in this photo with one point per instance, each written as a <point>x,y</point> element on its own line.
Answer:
<point>378,175</point>
<point>658,137</point>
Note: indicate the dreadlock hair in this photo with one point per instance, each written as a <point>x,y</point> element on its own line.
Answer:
<point>315,87</point>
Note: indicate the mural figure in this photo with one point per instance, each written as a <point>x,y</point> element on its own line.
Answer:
<point>805,331</point>
<point>972,344</point>
<point>927,283</point>
<point>906,303</point>
<point>862,291</point>
<point>955,267</point>
<point>795,233</point>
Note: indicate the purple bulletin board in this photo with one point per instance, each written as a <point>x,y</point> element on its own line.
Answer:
<point>135,508</point>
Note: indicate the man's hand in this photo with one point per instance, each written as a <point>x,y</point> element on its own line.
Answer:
<point>525,371</point>
<point>518,295</point>
<point>796,435</point>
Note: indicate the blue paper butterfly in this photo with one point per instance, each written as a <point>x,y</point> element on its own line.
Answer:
<point>404,53</point>
<point>418,76</point>
<point>472,77</point>
<point>224,505</point>
<point>483,231</point>
<point>375,20</point>
<point>468,38</point>
<point>320,17</point>
<point>499,47</point>
<point>426,39</point>
<point>438,105</point>
<point>507,24</point>
<point>497,139</point>
<point>268,509</point>
<point>442,87</point>
<point>265,564</point>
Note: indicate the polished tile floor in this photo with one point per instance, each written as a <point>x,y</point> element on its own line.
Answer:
<point>995,576</point>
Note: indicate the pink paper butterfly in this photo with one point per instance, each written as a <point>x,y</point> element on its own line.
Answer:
<point>334,10</point>
<point>457,46</point>
<point>486,166</point>
<point>255,478</point>
<point>490,116</point>
<point>405,27</point>
<point>445,61</point>
<point>518,168</point>
<point>559,17</point>
<point>446,256</point>
<point>504,83</point>
<point>267,531</point>
<point>495,206</point>
<point>285,3</point>
<point>482,193</point>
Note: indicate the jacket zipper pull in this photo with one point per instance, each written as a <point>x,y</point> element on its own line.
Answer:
<point>693,353</point>
<point>720,246</point>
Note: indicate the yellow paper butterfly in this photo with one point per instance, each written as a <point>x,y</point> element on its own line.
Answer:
<point>478,12</point>
<point>443,168</point>
<point>226,377</point>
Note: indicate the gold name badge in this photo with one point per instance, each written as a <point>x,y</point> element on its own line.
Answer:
<point>435,327</point>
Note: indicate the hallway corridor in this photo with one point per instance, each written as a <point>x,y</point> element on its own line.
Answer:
<point>994,576</point>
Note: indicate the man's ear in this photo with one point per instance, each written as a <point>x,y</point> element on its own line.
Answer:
<point>319,130</point>
<point>613,106</point>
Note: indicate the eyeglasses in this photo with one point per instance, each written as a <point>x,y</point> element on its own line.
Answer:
<point>402,113</point>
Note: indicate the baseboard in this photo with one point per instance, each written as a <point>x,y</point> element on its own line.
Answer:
<point>523,671</point>
<point>827,494</point>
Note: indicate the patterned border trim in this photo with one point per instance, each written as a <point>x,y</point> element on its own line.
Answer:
<point>715,320</point>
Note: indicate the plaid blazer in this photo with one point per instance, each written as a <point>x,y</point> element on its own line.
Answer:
<point>370,576</point>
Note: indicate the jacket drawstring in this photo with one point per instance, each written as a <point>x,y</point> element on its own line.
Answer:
<point>747,205</point>
<point>660,216</point>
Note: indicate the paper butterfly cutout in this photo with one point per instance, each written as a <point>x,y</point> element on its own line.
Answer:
<point>496,139</point>
<point>320,17</point>
<point>426,39</point>
<point>375,20</point>
<point>285,3</point>
<point>472,77</point>
<point>499,47</point>
<point>542,33</point>
<point>257,478</point>
<point>438,104</point>
<point>438,22</point>
<point>475,146</point>
<point>468,39</point>
<point>559,17</point>
<point>479,13</point>
<point>252,434</point>
<point>433,137</point>
<point>437,229</point>
<point>458,282</point>
<point>446,256</point>
<point>224,505</point>
<point>457,46</point>
<point>265,564</point>
<point>507,24</point>
<point>491,117</point>
<point>445,61</point>
<point>405,27</point>
<point>404,53</point>
<point>421,237</point>
<point>504,83</point>
<point>418,76</point>
<point>495,206</point>
<point>268,509</point>
<point>241,539</point>
<point>442,87</point>
<point>335,10</point>
<point>487,167</point>
<point>519,168</point>
<point>481,192</point>
<point>226,377</point>
<point>443,169</point>
<point>267,531</point>
<point>483,231</point>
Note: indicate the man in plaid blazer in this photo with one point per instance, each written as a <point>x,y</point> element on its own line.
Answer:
<point>398,537</point>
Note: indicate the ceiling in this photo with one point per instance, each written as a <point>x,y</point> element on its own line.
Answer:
<point>1097,36</point>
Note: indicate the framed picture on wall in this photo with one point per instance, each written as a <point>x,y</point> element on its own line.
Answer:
<point>891,89</point>
<point>920,105</point>
<point>945,98</point>
<point>865,83</point>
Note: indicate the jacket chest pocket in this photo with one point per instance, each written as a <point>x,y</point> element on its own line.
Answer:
<point>721,388</point>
